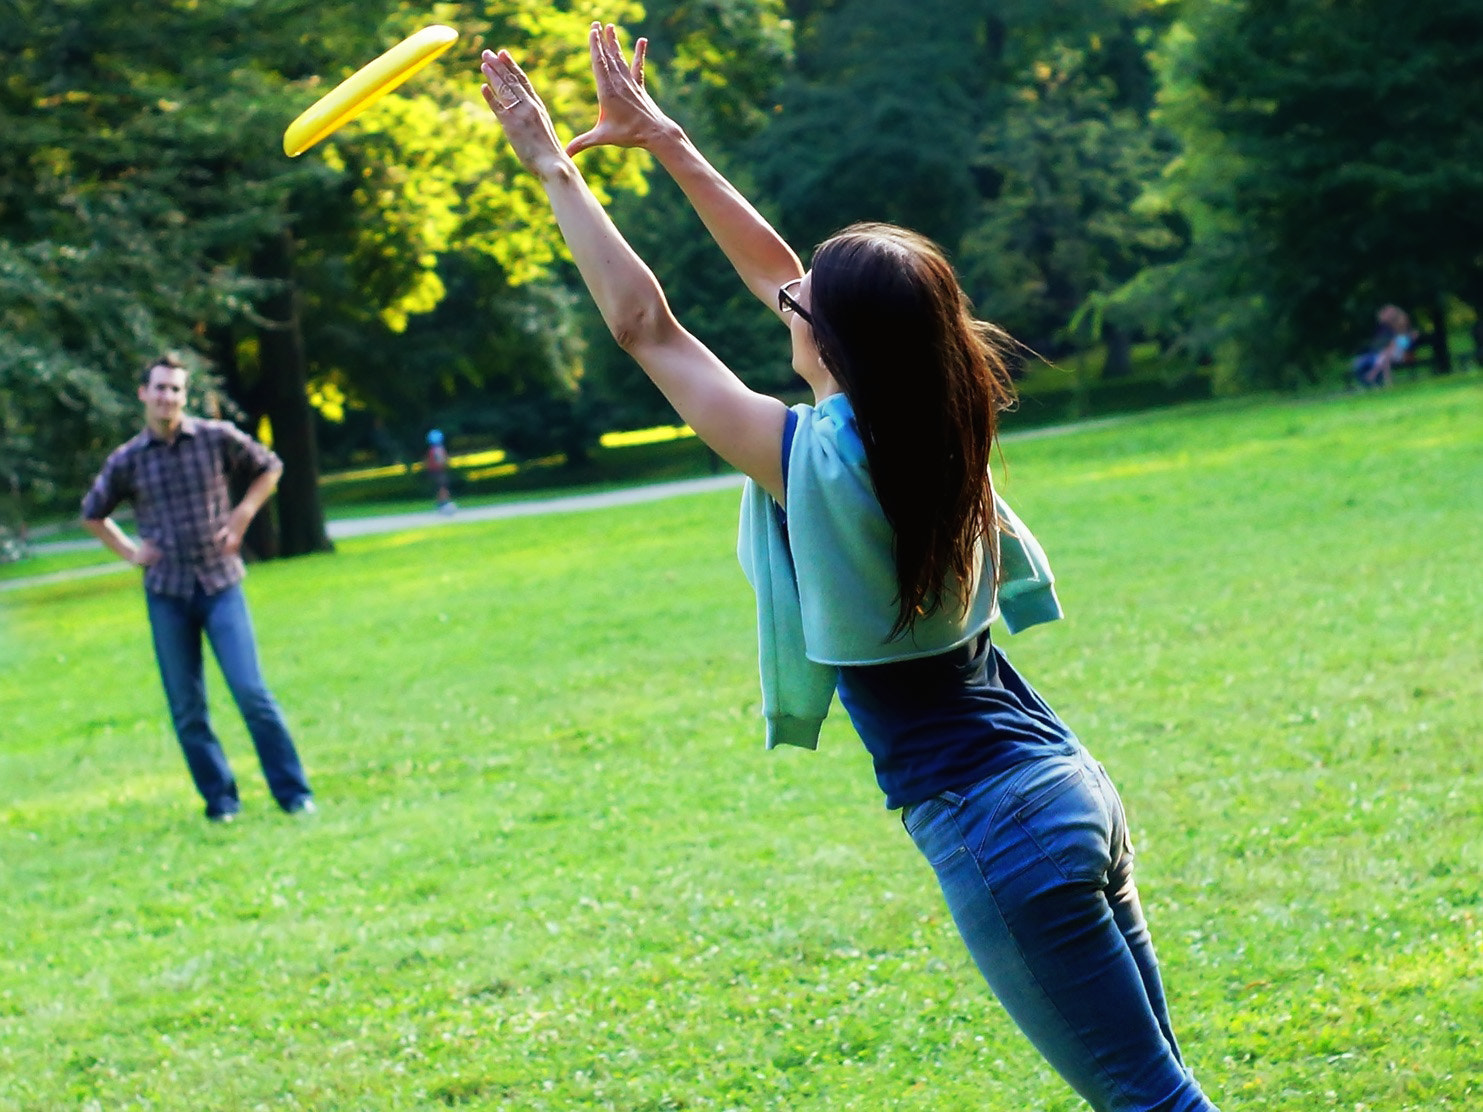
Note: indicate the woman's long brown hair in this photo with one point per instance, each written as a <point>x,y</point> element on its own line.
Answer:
<point>926,381</point>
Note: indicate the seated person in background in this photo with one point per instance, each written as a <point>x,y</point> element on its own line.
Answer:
<point>1394,339</point>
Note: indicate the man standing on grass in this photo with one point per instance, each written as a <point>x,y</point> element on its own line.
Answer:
<point>176,474</point>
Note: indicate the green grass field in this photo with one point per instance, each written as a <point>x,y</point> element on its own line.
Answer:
<point>554,868</point>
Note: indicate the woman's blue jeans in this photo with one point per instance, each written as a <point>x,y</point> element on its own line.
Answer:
<point>1037,868</point>
<point>177,625</point>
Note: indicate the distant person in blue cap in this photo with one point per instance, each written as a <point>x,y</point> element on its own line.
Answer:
<point>437,470</point>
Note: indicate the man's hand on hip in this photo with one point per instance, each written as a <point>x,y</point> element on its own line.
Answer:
<point>229,536</point>
<point>146,554</point>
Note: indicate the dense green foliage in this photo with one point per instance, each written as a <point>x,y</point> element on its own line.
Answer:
<point>1062,232</point>
<point>147,203</point>
<point>1240,181</point>
<point>555,869</point>
<point>715,64</point>
<point>1332,157</point>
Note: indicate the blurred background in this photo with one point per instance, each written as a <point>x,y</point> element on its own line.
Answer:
<point>1165,199</point>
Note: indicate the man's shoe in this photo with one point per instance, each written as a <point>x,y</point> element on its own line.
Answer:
<point>223,818</point>
<point>305,806</point>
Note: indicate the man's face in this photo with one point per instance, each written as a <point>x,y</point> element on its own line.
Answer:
<point>164,396</point>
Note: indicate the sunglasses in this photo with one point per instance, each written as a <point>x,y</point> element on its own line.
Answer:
<point>788,304</point>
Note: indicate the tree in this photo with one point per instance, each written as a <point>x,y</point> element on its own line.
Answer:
<point>874,123</point>
<point>1333,154</point>
<point>1060,229</point>
<point>96,269</point>
<point>144,204</point>
<point>714,66</point>
<point>1015,133</point>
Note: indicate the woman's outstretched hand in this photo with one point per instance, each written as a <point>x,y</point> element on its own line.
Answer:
<point>514,102</point>
<point>626,115</point>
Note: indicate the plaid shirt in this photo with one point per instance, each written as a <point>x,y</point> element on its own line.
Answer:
<point>181,499</point>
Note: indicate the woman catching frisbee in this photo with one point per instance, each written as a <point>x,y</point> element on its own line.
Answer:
<point>879,553</point>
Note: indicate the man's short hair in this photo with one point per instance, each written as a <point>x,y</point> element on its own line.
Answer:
<point>168,359</point>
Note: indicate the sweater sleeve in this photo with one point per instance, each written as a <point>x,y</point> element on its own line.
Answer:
<point>1027,588</point>
<point>796,691</point>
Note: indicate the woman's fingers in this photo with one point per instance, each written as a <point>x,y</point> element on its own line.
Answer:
<point>499,89</point>
<point>519,110</point>
<point>519,83</point>
<point>640,50</point>
<point>612,51</point>
<point>498,101</point>
<point>582,142</point>
<point>605,39</point>
<point>506,80</point>
<point>602,58</point>
<point>623,105</point>
<point>595,50</point>
<point>620,62</point>
<point>498,98</point>
<point>496,66</point>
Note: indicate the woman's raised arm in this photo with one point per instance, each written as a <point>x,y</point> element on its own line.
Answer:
<point>628,117</point>
<point>745,428</point>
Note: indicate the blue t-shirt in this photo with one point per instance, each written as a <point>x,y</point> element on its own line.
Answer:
<point>942,723</point>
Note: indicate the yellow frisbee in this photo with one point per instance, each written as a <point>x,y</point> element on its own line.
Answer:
<point>365,86</point>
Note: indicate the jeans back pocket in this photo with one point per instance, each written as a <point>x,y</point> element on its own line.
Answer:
<point>1066,816</point>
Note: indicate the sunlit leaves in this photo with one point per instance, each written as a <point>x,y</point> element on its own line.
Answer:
<point>142,168</point>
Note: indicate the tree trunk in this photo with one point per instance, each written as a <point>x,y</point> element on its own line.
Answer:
<point>285,398</point>
<point>1119,362</point>
<point>1441,350</point>
<point>996,36</point>
<point>260,542</point>
<point>1472,296</point>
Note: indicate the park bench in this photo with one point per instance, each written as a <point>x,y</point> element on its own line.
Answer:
<point>1423,355</point>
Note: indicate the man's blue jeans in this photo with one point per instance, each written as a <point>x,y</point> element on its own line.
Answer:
<point>177,625</point>
<point>1037,868</point>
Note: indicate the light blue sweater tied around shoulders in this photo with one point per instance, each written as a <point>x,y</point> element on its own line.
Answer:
<point>826,584</point>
